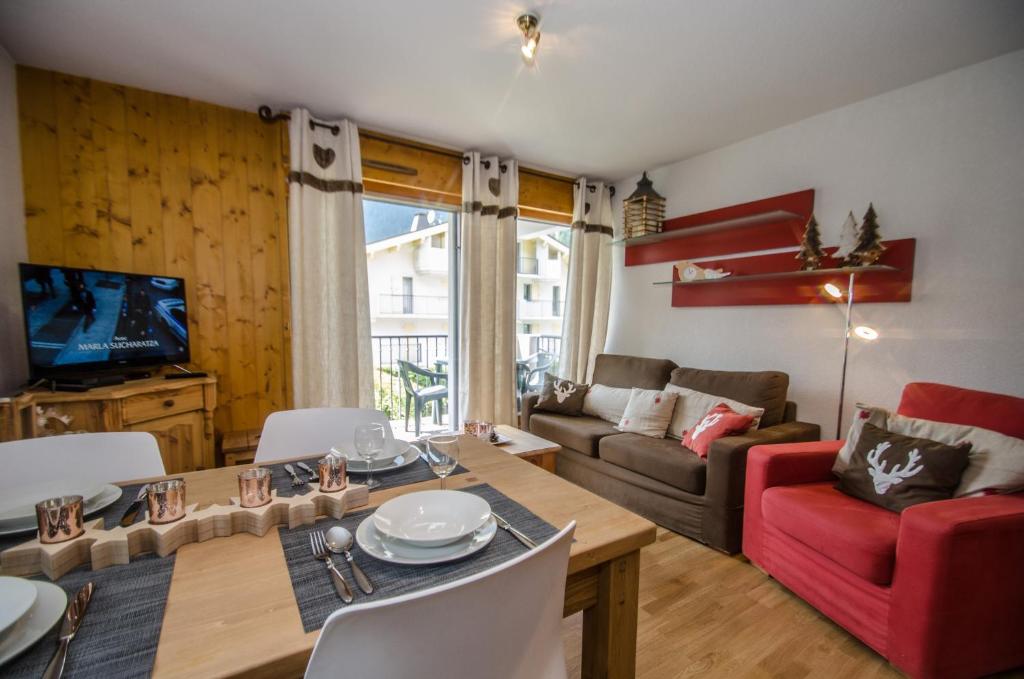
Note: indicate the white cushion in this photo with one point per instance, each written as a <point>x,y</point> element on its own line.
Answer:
<point>692,406</point>
<point>862,415</point>
<point>608,403</point>
<point>648,412</point>
<point>995,463</point>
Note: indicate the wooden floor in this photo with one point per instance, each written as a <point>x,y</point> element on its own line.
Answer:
<point>705,614</point>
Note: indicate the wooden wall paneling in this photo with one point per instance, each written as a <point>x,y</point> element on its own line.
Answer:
<point>438,177</point>
<point>545,197</point>
<point>176,203</point>
<point>238,280</point>
<point>268,329</point>
<point>77,176</point>
<point>37,114</point>
<point>282,150</point>
<point>110,163</point>
<point>144,181</point>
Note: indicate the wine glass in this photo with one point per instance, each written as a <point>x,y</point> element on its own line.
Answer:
<point>369,442</point>
<point>443,455</point>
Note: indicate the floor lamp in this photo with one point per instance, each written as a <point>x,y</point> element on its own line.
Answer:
<point>862,331</point>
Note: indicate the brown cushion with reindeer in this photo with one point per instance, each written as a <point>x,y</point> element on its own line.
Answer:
<point>561,396</point>
<point>895,471</point>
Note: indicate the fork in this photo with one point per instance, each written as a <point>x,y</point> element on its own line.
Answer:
<point>318,544</point>
<point>313,476</point>
<point>296,481</point>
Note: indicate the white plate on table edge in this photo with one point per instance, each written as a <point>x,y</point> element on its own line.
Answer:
<point>46,612</point>
<point>25,498</point>
<point>109,496</point>
<point>394,447</point>
<point>16,598</point>
<point>456,514</point>
<point>396,551</point>
<point>400,461</point>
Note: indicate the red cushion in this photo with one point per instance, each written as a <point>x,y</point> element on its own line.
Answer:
<point>856,535</point>
<point>943,403</point>
<point>720,421</point>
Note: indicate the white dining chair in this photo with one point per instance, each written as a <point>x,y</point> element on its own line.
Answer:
<point>503,622</point>
<point>291,433</point>
<point>104,457</point>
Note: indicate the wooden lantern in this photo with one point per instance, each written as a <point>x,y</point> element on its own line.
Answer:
<point>643,211</point>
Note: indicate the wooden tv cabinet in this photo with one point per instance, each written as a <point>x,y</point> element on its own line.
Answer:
<point>179,413</point>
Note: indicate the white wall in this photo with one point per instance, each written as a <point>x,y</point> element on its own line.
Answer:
<point>13,365</point>
<point>943,161</point>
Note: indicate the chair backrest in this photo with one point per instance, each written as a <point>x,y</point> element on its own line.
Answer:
<point>104,458</point>
<point>955,405</point>
<point>311,431</point>
<point>503,622</point>
<point>404,368</point>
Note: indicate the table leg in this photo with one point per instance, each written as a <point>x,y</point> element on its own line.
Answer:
<point>609,627</point>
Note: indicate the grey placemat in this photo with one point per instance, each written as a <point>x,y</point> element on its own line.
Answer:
<point>414,473</point>
<point>111,516</point>
<point>121,628</point>
<point>311,582</point>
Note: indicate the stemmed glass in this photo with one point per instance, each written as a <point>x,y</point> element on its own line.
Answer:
<point>443,455</point>
<point>369,442</point>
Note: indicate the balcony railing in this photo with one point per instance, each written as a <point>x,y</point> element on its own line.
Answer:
<point>540,308</point>
<point>413,305</point>
<point>551,344</point>
<point>528,265</point>
<point>425,351</point>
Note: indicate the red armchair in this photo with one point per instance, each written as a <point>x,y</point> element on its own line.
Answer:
<point>937,590</point>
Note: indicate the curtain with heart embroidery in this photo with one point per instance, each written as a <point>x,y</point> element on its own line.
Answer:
<point>330,335</point>
<point>588,292</point>
<point>487,320</point>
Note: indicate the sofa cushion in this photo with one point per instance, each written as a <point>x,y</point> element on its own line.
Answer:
<point>766,389</point>
<point>564,397</point>
<point>613,370</point>
<point>648,412</point>
<point>661,459</point>
<point>856,535</point>
<point>692,406</point>
<point>578,433</point>
<point>719,422</point>
<point>943,403</point>
<point>606,403</point>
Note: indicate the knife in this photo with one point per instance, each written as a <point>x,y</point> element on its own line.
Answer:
<point>313,476</point>
<point>515,533</point>
<point>68,629</point>
<point>133,509</point>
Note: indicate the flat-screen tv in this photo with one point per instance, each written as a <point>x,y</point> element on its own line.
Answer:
<point>79,321</point>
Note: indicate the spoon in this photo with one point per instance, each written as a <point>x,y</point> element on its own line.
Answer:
<point>339,541</point>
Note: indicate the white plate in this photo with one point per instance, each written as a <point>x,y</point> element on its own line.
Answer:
<point>16,596</point>
<point>395,551</point>
<point>19,502</point>
<point>393,448</point>
<point>107,497</point>
<point>406,458</point>
<point>431,518</point>
<point>40,619</point>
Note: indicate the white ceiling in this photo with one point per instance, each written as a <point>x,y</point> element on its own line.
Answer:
<point>619,86</point>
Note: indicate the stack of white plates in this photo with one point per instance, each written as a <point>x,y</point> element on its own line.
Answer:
<point>28,610</point>
<point>397,454</point>
<point>428,527</point>
<point>18,504</point>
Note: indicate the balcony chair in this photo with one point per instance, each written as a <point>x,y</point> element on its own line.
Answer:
<point>101,458</point>
<point>418,395</point>
<point>311,431</point>
<point>937,589</point>
<point>467,628</point>
<point>530,373</point>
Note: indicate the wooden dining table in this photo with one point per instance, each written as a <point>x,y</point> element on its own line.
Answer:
<point>231,611</point>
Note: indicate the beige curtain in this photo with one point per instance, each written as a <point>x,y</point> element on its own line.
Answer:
<point>331,354</point>
<point>588,291</point>
<point>487,318</point>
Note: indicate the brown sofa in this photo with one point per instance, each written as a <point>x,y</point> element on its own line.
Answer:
<point>658,478</point>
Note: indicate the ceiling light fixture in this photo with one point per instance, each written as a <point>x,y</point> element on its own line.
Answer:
<point>528,24</point>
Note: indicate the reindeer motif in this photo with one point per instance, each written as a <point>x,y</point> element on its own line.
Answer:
<point>564,390</point>
<point>884,480</point>
<point>708,422</point>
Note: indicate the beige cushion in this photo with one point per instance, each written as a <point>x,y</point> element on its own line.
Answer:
<point>864,414</point>
<point>765,389</point>
<point>692,406</point>
<point>664,460</point>
<point>607,403</point>
<point>648,412</point>
<point>578,433</point>
<point>995,463</point>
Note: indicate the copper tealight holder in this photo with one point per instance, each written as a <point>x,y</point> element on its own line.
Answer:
<point>60,519</point>
<point>166,500</point>
<point>332,471</point>
<point>254,487</point>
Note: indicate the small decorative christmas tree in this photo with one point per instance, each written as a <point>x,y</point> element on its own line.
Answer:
<point>869,240</point>
<point>810,247</point>
<point>847,241</point>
